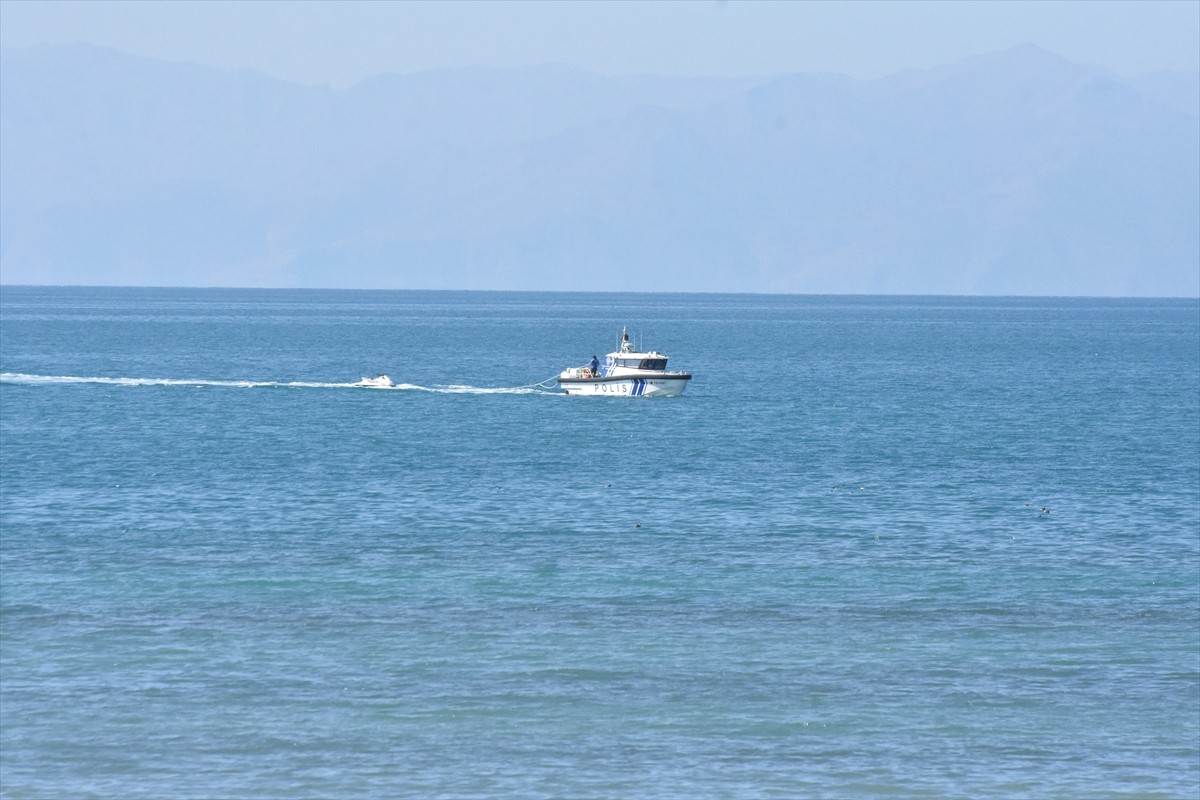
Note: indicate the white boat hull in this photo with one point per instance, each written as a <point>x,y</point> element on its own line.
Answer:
<point>381,382</point>
<point>650,386</point>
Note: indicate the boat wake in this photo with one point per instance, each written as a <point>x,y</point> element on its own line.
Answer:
<point>382,383</point>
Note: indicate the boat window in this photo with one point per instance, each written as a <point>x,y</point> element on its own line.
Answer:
<point>653,363</point>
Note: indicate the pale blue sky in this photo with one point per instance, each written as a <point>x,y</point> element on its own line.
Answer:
<point>342,42</point>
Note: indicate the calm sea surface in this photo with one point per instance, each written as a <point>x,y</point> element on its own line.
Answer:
<point>882,547</point>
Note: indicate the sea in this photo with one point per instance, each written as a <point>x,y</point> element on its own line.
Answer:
<point>882,547</point>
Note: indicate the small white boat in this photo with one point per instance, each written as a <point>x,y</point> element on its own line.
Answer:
<point>625,372</point>
<point>378,382</point>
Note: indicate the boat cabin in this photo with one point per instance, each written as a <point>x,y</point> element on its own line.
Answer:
<point>626,358</point>
<point>655,361</point>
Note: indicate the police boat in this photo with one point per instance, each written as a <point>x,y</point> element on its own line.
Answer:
<point>625,373</point>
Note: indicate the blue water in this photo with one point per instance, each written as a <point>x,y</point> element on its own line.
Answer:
<point>825,571</point>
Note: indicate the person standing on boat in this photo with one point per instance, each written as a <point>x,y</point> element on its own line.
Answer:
<point>595,365</point>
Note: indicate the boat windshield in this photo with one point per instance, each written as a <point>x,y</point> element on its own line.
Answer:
<point>653,363</point>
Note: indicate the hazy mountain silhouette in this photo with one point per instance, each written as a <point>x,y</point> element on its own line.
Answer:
<point>1013,173</point>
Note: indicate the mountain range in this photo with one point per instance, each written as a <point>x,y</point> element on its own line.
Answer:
<point>1012,173</point>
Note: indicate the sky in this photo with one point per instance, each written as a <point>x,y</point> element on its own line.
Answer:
<point>342,42</point>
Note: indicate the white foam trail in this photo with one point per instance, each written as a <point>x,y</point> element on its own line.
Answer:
<point>17,377</point>
<point>42,380</point>
<point>458,389</point>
